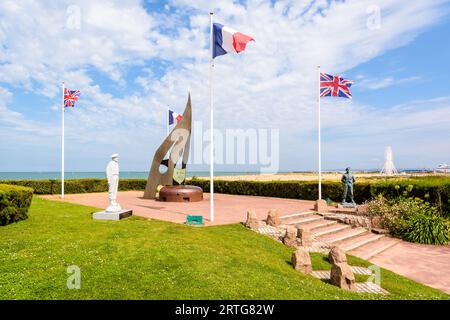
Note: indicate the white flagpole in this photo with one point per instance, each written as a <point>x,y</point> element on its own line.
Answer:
<point>318,136</point>
<point>211,157</point>
<point>62,143</point>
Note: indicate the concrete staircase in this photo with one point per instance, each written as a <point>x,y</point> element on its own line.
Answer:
<point>357,241</point>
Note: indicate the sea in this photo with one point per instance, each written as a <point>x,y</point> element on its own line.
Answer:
<point>101,175</point>
<point>144,174</point>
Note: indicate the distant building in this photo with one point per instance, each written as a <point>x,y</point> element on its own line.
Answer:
<point>445,168</point>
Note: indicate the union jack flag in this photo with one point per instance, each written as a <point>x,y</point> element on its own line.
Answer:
<point>70,96</point>
<point>334,86</point>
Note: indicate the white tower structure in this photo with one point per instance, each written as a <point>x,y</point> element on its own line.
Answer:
<point>389,167</point>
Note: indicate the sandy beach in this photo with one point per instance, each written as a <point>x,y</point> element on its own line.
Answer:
<point>300,176</point>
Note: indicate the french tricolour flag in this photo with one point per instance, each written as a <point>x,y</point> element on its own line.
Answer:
<point>174,116</point>
<point>227,40</point>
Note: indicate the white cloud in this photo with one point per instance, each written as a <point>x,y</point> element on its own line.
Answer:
<point>41,46</point>
<point>380,83</point>
<point>6,115</point>
<point>273,84</point>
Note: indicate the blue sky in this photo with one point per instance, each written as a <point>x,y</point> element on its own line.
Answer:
<point>426,58</point>
<point>132,59</point>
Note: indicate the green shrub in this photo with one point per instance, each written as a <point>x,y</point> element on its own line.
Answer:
<point>402,210</point>
<point>378,207</point>
<point>427,229</point>
<point>14,203</point>
<point>411,219</point>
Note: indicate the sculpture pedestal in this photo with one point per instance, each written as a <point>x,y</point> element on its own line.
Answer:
<point>104,215</point>
<point>181,193</point>
<point>347,205</point>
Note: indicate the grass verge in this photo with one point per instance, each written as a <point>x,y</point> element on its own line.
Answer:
<point>148,259</point>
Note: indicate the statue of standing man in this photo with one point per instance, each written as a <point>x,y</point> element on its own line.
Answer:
<point>348,179</point>
<point>112,173</point>
<point>114,211</point>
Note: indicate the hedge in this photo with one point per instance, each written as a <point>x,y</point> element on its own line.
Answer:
<point>14,203</point>
<point>434,189</point>
<point>77,185</point>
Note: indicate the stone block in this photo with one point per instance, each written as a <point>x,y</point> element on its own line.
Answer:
<point>337,255</point>
<point>305,237</point>
<point>252,221</point>
<point>342,276</point>
<point>290,238</point>
<point>301,261</point>
<point>321,206</point>
<point>273,218</point>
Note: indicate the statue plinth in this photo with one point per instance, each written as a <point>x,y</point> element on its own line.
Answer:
<point>346,205</point>
<point>180,193</point>
<point>105,215</point>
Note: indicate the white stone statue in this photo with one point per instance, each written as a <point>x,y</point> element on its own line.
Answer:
<point>112,173</point>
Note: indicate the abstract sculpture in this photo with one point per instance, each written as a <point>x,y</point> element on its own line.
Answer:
<point>165,181</point>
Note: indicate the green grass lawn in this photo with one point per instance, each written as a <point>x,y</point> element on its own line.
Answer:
<point>148,259</point>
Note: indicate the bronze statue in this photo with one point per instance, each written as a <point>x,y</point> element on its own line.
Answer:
<point>348,179</point>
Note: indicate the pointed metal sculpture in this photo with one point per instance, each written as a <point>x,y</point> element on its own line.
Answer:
<point>175,145</point>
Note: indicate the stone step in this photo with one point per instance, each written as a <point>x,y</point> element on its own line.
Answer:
<point>321,231</point>
<point>345,234</point>
<point>374,248</point>
<point>359,241</point>
<point>292,217</point>
<point>318,224</point>
<point>300,222</point>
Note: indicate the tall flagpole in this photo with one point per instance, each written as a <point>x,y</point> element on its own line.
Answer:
<point>62,143</point>
<point>318,136</point>
<point>211,157</point>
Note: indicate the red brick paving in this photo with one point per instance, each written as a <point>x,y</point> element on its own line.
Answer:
<point>228,208</point>
<point>427,264</point>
